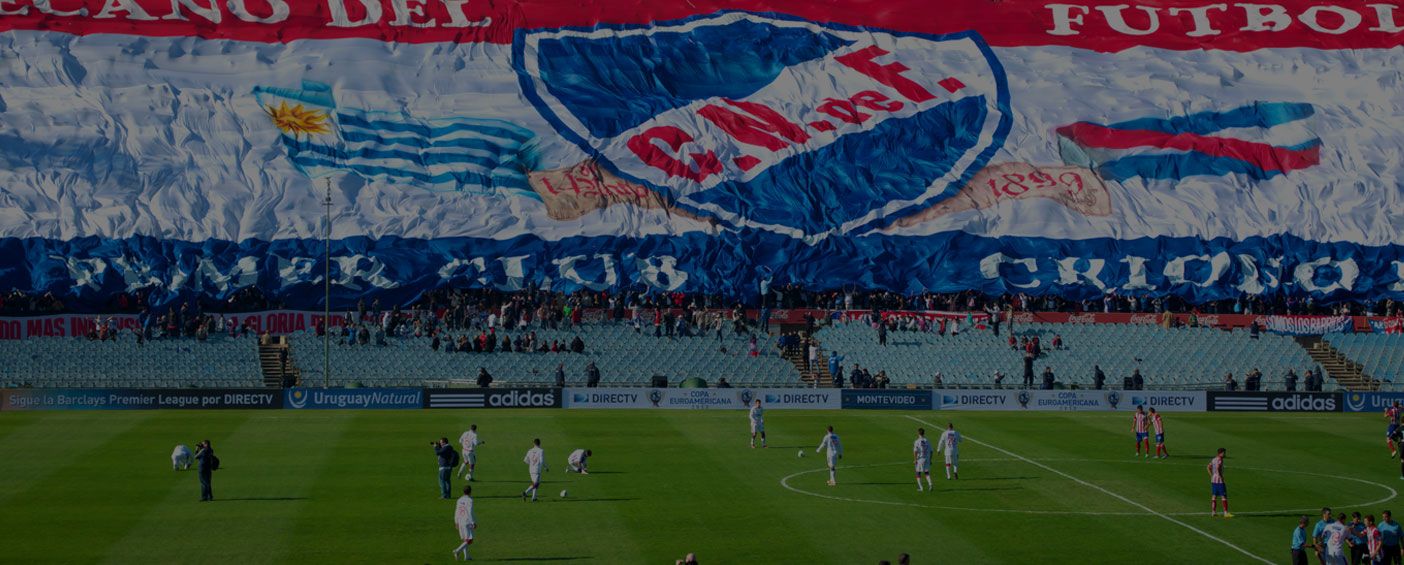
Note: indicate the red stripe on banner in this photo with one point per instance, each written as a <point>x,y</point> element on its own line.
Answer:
<point>1102,25</point>
<point>1262,155</point>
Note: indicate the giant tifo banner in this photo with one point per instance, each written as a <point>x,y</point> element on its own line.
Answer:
<point>1191,148</point>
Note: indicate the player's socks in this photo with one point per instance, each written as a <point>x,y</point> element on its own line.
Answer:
<point>928,481</point>
<point>948,472</point>
<point>1213,507</point>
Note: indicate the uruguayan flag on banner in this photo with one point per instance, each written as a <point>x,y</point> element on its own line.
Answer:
<point>448,154</point>
<point>1260,141</point>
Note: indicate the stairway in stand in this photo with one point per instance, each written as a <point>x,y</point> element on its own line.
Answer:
<point>815,377</point>
<point>270,356</point>
<point>1349,374</point>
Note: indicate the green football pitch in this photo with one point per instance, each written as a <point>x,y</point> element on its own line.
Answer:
<point>360,486</point>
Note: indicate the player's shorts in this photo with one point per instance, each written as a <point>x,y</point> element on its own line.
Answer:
<point>465,533</point>
<point>757,427</point>
<point>1218,489</point>
<point>535,478</point>
<point>1393,429</point>
<point>1337,559</point>
<point>833,460</point>
<point>1160,438</point>
<point>923,465</point>
<point>952,457</point>
<point>471,457</point>
<point>1141,436</point>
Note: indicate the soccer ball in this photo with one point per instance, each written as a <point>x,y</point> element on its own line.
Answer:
<point>564,494</point>
<point>801,454</point>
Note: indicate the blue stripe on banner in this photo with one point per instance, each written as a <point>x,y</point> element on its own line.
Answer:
<point>461,178</point>
<point>466,143</point>
<point>1262,114</point>
<point>416,157</point>
<point>726,263</point>
<point>495,128</point>
<point>1178,166</point>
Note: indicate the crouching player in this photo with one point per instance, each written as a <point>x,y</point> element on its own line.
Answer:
<point>466,522</point>
<point>180,458</point>
<point>921,458</point>
<point>576,463</point>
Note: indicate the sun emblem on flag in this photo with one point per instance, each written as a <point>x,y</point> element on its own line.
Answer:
<point>298,120</point>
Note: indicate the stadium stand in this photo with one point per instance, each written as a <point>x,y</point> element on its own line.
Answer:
<point>624,358</point>
<point>1382,355</point>
<point>1177,358</point>
<point>218,362</point>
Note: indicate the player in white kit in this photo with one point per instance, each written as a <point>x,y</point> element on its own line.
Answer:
<point>1335,535</point>
<point>950,443</point>
<point>757,424</point>
<point>536,463</point>
<point>578,460</point>
<point>465,521</point>
<point>180,458</point>
<point>921,458</point>
<point>835,452</point>
<point>470,442</point>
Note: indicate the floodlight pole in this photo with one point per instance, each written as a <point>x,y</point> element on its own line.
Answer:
<point>326,298</point>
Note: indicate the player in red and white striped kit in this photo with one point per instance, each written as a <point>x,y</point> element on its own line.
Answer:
<point>1392,415</point>
<point>1138,425</point>
<point>1217,488</point>
<point>1160,451</point>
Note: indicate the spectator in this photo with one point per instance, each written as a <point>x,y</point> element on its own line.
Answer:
<point>999,380</point>
<point>484,378</point>
<point>208,463</point>
<point>1230,384</point>
<point>577,345</point>
<point>937,381</point>
<point>1013,343</point>
<point>1138,382</point>
<point>435,343</point>
<point>835,364</point>
<point>1253,381</point>
<point>882,333</point>
<point>1099,379</point>
<point>592,375</point>
<point>1253,330</point>
<point>1057,341</point>
<point>723,384</point>
<point>881,380</point>
<point>1290,381</point>
<point>1048,378</point>
<point>560,375</point>
<point>1028,369</point>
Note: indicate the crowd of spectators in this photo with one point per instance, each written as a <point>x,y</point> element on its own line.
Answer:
<point>455,304</point>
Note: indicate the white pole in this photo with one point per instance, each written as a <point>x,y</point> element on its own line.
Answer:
<point>326,298</point>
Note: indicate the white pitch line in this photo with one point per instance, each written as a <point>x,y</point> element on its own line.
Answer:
<point>1148,509</point>
<point>785,482</point>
